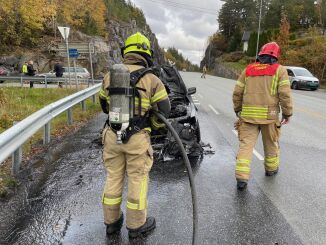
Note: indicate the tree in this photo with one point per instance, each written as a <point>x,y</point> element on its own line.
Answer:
<point>84,15</point>
<point>284,35</point>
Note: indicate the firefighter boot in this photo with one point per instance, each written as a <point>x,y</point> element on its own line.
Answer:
<point>241,185</point>
<point>114,227</point>
<point>149,225</point>
<point>271,173</point>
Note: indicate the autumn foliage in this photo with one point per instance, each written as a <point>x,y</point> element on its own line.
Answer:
<point>26,22</point>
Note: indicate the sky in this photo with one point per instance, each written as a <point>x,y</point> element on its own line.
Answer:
<point>183,24</point>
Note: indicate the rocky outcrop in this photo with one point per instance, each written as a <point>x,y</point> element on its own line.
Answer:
<point>221,70</point>
<point>212,52</point>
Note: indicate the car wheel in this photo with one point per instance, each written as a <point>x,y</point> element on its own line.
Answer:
<point>313,89</point>
<point>294,85</point>
<point>2,81</point>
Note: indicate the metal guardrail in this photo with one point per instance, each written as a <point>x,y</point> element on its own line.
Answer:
<point>12,139</point>
<point>47,80</point>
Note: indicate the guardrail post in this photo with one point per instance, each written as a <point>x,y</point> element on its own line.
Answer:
<point>94,98</point>
<point>83,104</point>
<point>70,119</point>
<point>46,82</point>
<point>47,133</point>
<point>17,158</point>
<point>21,81</point>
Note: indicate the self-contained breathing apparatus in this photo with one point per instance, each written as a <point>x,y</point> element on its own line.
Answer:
<point>123,90</point>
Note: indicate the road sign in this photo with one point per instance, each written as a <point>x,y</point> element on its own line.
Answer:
<point>83,48</point>
<point>73,53</point>
<point>64,31</point>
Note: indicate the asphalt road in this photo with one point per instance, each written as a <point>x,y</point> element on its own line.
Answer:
<point>289,208</point>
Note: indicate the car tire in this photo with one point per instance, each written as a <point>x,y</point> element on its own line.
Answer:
<point>314,89</point>
<point>2,81</point>
<point>294,86</point>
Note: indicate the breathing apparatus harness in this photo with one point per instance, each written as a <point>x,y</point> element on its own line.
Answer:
<point>123,90</point>
<point>117,120</point>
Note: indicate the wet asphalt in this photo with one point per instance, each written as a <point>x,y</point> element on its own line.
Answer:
<point>286,209</point>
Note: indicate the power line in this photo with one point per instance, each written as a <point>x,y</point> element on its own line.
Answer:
<point>184,6</point>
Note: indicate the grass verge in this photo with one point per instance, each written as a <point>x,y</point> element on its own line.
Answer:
<point>18,103</point>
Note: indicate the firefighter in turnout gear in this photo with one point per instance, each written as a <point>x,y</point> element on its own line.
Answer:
<point>261,90</point>
<point>133,157</point>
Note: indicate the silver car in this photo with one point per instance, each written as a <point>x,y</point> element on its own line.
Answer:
<point>81,73</point>
<point>302,78</point>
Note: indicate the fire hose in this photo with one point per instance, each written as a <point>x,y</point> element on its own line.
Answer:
<point>190,175</point>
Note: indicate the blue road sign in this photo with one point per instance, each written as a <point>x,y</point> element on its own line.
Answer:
<point>73,53</point>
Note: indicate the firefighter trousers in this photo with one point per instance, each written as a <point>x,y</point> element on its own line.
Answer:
<point>248,134</point>
<point>133,160</point>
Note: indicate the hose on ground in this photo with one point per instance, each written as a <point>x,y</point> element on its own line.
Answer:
<point>190,175</point>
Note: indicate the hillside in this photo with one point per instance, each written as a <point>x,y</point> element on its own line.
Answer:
<point>299,27</point>
<point>31,34</point>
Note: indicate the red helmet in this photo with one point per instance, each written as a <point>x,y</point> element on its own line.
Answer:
<point>271,49</point>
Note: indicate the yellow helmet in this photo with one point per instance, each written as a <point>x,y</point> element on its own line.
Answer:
<point>137,43</point>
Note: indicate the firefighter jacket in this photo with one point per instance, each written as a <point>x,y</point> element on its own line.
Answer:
<point>153,90</point>
<point>260,92</point>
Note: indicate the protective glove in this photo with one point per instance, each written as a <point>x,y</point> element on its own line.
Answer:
<point>285,119</point>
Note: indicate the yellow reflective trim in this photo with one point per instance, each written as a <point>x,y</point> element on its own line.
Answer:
<point>148,129</point>
<point>271,158</point>
<point>243,169</point>
<point>143,194</point>
<point>143,100</point>
<point>243,161</point>
<point>133,206</point>
<point>112,201</point>
<point>254,113</point>
<point>254,116</point>
<point>159,95</point>
<point>255,108</point>
<point>275,82</point>
<point>240,84</point>
<point>284,82</point>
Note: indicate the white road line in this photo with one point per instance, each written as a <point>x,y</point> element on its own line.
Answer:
<point>200,96</point>
<point>256,153</point>
<point>195,100</point>
<point>213,109</point>
<point>196,103</point>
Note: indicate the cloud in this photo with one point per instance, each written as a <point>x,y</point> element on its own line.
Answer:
<point>183,24</point>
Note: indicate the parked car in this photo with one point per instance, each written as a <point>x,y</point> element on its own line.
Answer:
<point>4,72</point>
<point>183,118</point>
<point>82,73</point>
<point>302,78</point>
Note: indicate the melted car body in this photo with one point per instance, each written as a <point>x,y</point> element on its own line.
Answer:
<point>183,117</point>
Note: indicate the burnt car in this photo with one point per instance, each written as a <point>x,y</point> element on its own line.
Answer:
<point>183,118</point>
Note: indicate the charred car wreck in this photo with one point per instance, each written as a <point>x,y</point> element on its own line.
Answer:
<point>183,118</point>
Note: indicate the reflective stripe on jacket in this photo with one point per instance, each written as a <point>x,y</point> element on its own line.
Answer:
<point>260,92</point>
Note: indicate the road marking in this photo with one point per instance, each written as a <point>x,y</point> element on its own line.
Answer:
<point>256,153</point>
<point>197,103</point>
<point>213,109</point>
<point>200,96</point>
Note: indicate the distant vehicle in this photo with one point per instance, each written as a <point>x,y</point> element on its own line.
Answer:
<point>82,73</point>
<point>302,78</point>
<point>4,72</point>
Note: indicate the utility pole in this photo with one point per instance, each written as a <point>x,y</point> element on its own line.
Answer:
<point>258,34</point>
